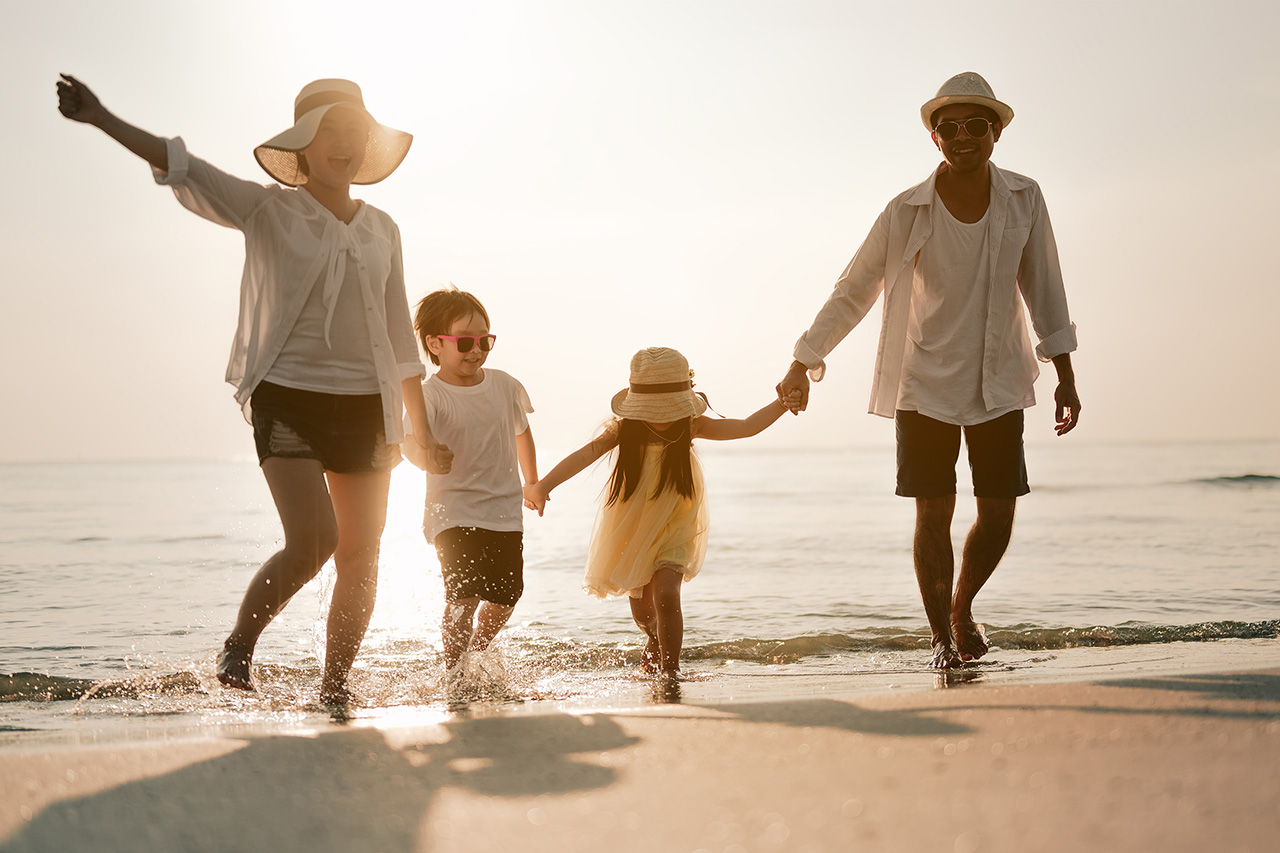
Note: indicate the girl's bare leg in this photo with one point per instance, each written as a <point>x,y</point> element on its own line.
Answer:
<point>666,600</point>
<point>310,535</point>
<point>456,629</point>
<point>646,617</point>
<point>360,508</point>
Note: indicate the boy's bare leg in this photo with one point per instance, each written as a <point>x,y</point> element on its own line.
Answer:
<point>489,621</point>
<point>983,548</point>
<point>360,508</point>
<point>310,536</point>
<point>646,617</point>
<point>935,569</point>
<point>666,601</point>
<point>456,629</point>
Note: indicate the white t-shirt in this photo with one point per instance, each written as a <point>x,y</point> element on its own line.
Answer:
<point>479,423</point>
<point>942,369</point>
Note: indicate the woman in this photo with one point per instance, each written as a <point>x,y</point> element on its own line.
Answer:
<point>323,353</point>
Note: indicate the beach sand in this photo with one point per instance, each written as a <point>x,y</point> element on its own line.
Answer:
<point>1171,761</point>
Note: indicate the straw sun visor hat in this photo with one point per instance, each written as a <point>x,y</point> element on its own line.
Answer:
<point>661,388</point>
<point>966,87</point>
<point>279,155</point>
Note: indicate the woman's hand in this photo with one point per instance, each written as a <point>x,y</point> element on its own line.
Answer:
<point>78,103</point>
<point>439,459</point>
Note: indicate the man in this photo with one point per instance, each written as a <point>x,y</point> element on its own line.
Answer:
<point>961,259</point>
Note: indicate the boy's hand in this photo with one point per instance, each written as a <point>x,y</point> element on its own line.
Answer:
<point>439,459</point>
<point>534,498</point>
<point>77,103</point>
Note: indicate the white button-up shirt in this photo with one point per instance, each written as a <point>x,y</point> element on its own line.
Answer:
<point>1024,270</point>
<point>293,243</point>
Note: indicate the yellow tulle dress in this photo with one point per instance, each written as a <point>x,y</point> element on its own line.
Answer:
<point>632,538</point>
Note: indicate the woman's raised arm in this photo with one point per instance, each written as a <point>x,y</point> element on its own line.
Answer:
<point>78,103</point>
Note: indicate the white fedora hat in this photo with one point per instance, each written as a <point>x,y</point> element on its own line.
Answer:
<point>661,388</point>
<point>279,155</point>
<point>968,87</point>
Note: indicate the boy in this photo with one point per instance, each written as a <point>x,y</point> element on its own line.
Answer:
<point>474,514</point>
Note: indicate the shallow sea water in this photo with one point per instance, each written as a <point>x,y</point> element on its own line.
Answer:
<point>123,579</point>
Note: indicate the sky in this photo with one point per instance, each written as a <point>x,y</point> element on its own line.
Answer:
<point>608,176</point>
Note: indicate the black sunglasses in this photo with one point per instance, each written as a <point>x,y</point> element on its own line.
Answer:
<point>975,127</point>
<point>466,342</point>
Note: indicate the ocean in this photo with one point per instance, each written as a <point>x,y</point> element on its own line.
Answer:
<point>120,581</point>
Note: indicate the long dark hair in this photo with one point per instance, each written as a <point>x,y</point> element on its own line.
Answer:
<point>677,468</point>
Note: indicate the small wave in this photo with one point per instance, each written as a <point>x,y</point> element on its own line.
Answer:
<point>35,687</point>
<point>1248,481</point>
<point>414,675</point>
<point>790,650</point>
<point>885,640</point>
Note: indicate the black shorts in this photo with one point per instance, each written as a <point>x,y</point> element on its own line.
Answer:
<point>928,450</point>
<point>479,563</point>
<point>343,431</point>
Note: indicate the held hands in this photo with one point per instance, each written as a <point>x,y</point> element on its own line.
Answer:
<point>793,390</point>
<point>535,498</point>
<point>77,102</point>
<point>439,459</point>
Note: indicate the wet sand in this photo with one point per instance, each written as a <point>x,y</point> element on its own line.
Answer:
<point>1175,760</point>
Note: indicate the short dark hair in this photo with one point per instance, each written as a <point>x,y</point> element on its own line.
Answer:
<point>439,310</point>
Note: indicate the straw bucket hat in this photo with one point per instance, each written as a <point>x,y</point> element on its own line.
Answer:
<point>968,87</point>
<point>661,388</point>
<point>279,155</point>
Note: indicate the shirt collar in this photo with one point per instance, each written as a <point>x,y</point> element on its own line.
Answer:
<point>1006,183</point>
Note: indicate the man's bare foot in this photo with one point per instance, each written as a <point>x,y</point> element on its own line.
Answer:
<point>650,656</point>
<point>233,668</point>
<point>971,640</point>
<point>944,655</point>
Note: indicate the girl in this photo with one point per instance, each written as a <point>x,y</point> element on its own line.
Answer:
<point>324,350</point>
<point>651,533</point>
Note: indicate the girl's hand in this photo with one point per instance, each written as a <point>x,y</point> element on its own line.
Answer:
<point>535,498</point>
<point>77,102</point>
<point>793,390</point>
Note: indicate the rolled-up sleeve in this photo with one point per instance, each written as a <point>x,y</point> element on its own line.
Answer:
<point>207,191</point>
<point>854,294</point>
<point>1043,291</point>
<point>177,158</point>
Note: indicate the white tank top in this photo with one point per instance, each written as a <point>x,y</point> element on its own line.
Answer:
<point>942,375</point>
<point>344,365</point>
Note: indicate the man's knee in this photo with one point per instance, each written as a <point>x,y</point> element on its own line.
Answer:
<point>996,514</point>
<point>935,513</point>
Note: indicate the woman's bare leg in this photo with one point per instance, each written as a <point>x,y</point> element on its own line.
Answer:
<point>310,536</point>
<point>360,509</point>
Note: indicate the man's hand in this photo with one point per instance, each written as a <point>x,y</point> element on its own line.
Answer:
<point>1067,413</point>
<point>793,390</point>
<point>439,459</point>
